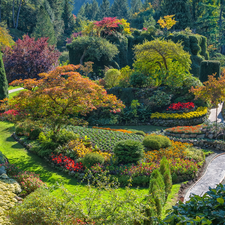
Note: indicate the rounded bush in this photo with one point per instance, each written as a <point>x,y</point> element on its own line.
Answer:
<point>138,79</point>
<point>128,151</point>
<point>140,132</point>
<point>155,142</point>
<point>91,159</point>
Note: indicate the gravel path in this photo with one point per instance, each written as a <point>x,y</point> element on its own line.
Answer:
<point>212,116</point>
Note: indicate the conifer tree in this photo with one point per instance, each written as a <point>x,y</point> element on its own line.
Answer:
<point>104,9</point>
<point>94,10</point>
<point>120,9</point>
<point>3,80</point>
<point>67,17</point>
<point>44,27</point>
<point>136,5</point>
<point>179,8</point>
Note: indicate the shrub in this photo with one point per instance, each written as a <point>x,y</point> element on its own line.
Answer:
<point>40,207</point>
<point>210,209</point>
<point>138,79</point>
<point>92,158</point>
<point>195,154</point>
<point>160,98</point>
<point>155,142</point>
<point>128,151</point>
<point>150,142</point>
<point>28,181</point>
<point>11,169</point>
<point>112,78</point>
<point>140,132</point>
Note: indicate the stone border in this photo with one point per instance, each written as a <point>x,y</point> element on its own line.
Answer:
<point>179,122</point>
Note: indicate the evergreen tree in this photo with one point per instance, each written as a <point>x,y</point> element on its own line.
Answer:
<point>95,10</point>
<point>3,80</point>
<point>104,9</point>
<point>181,10</point>
<point>44,27</point>
<point>67,17</point>
<point>136,5</point>
<point>81,14</point>
<point>120,9</point>
<point>57,8</point>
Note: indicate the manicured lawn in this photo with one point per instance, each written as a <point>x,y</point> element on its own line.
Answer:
<point>11,87</point>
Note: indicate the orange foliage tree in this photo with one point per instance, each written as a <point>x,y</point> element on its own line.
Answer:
<point>212,91</point>
<point>61,94</point>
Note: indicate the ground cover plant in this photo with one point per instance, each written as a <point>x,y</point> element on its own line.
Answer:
<point>186,129</point>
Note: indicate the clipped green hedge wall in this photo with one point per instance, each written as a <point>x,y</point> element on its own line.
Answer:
<point>209,67</point>
<point>196,45</point>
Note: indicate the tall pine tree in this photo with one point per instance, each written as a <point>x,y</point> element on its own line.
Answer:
<point>181,10</point>
<point>67,17</point>
<point>120,9</point>
<point>136,5</point>
<point>44,27</point>
<point>3,80</point>
<point>104,9</point>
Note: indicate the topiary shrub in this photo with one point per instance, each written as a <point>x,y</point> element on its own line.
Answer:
<point>209,67</point>
<point>140,132</point>
<point>150,142</point>
<point>160,98</point>
<point>155,142</point>
<point>91,159</point>
<point>128,151</point>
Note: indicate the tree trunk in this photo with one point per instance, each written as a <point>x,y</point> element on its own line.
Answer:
<point>18,13</point>
<point>82,57</point>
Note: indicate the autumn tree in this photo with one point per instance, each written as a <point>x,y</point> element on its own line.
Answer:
<point>28,58</point>
<point>5,38</point>
<point>163,61</point>
<point>212,91</point>
<point>62,94</point>
<point>3,80</point>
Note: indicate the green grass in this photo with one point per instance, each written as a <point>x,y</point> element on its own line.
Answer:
<point>11,95</point>
<point>171,200</point>
<point>11,87</point>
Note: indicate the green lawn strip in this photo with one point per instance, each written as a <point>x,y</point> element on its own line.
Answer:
<point>11,95</point>
<point>171,200</point>
<point>11,87</point>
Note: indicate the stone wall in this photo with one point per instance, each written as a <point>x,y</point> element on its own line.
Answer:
<point>178,122</point>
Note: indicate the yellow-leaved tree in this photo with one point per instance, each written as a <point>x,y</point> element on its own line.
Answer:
<point>6,39</point>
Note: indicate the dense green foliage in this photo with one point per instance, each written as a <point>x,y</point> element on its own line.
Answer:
<point>209,67</point>
<point>3,80</point>
<point>128,151</point>
<point>155,142</point>
<point>91,159</point>
<point>210,209</point>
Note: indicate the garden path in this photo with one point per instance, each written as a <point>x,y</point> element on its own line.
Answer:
<point>213,175</point>
<point>14,90</point>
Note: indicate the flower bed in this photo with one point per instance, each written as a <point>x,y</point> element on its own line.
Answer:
<point>185,129</point>
<point>201,111</point>
<point>182,167</point>
<point>181,106</point>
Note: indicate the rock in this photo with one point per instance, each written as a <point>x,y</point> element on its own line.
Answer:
<point>2,170</point>
<point>4,176</point>
<point>210,136</point>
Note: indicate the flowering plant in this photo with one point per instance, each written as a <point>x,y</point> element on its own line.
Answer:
<point>67,163</point>
<point>181,106</point>
<point>28,181</point>
<point>185,129</point>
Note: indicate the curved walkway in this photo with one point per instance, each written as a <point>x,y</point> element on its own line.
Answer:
<point>213,175</point>
<point>14,90</point>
